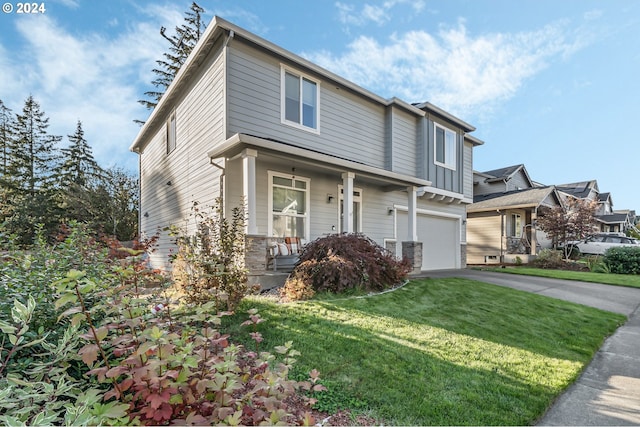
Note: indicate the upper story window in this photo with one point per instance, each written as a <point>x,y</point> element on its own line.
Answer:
<point>171,133</point>
<point>300,100</point>
<point>445,147</point>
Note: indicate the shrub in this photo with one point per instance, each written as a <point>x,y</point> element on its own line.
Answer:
<point>549,258</point>
<point>174,366</point>
<point>209,265</point>
<point>623,260</point>
<point>340,262</point>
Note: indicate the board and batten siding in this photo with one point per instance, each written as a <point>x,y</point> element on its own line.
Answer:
<point>199,126</point>
<point>351,127</point>
<point>440,176</point>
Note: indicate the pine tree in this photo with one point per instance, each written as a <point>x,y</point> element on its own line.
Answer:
<point>32,166</point>
<point>180,46</point>
<point>78,164</point>
<point>34,161</point>
<point>7,146</point>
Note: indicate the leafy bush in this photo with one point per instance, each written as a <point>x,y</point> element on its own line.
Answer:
<point>623,260</point>
<point>596,264</point>
<point>209,265</point>
<point>549,258</point>
<point>175,366</point>
<point>340,262</point>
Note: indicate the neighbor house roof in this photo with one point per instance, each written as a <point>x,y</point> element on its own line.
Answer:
<point>615,218</point>
<point>579,189</point>
<point>527,198</point>
<point>506,173</point>
<point>220,29</point>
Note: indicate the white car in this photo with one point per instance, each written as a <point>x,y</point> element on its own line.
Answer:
<point>599,243</point>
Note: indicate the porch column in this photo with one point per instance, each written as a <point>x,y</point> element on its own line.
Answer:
<point>412,249</point>
<point>534,237</point>
<point>347,201</point>
<point>249,188</point>
<point>413,218</point>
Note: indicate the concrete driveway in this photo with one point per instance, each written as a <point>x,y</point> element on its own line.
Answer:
<point>607,393</point>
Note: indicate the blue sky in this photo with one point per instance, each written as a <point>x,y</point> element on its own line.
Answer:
<point>551,84</point>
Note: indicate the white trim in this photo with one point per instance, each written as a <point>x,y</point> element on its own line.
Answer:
<point>357,199</point>
<point>171,141</point>
<point>307,217</point>
<point>447,164</point>
<point>437,214</point>
<point>302,76</point>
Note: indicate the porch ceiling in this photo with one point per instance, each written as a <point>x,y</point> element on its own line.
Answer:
<point>234,146</point>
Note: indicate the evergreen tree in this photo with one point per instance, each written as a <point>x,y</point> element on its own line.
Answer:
<point>78,164</point>
<point>180,46</point>
<point>31,167</point>
<point>7,146</point>
<point>34,160</point>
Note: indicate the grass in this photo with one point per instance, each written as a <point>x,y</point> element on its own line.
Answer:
<point>442,352</point>
<point>628,280</point>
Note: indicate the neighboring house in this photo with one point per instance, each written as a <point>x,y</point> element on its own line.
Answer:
<point>609,220</point>
<point>501,222</point>
<point>310,152</point>
<point>585,190</point>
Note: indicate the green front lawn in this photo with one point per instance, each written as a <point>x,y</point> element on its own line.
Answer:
<point>629,280</point>
<point>441,352</point>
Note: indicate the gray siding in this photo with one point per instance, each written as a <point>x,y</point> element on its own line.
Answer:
<point>518,181</point>
<point>404,134</point>
<point>442,177</point>
<point>199,126</point>
<point>467,162</point>
<point>350,126</point>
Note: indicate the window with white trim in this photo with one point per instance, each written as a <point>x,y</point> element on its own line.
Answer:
<point>288,205</point>
<point>171,133</point>
<point>444,146</point>
<point>357,209</point>
<point>516,225</point>
<point>300,100</point>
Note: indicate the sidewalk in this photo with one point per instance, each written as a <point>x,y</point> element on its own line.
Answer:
<point>608,391</point>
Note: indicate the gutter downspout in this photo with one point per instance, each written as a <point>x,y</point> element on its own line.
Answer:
<point>221,183</point>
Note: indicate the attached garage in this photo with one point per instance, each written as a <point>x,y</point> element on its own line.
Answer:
<point>439,234</point>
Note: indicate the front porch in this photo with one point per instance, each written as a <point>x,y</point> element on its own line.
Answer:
<point>290,191</point>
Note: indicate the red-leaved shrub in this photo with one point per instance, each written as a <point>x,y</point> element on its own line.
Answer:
<point>340,262</point>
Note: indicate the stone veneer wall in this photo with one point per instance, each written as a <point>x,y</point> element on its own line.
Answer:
<point>413,251</point>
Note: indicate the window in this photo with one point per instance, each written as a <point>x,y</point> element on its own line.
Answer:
<point>357,209</point>
<point>516,225</point>
<point>299,100</point>
<point>445,147</point>
<point>288,206</point>
<point>171,133</point>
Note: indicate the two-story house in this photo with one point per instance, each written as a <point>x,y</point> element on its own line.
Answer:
<point>501,222</point>
<point>309,152</point>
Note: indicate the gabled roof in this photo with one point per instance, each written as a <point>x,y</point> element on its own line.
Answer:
<point>527,198</point>
<point>615,218</point>
<point>603,197</point>
<point>579,189</point>
<point>220,30</point>
<point>506,173</point>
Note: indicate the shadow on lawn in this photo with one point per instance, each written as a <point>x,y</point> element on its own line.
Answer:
<point>446,352</point>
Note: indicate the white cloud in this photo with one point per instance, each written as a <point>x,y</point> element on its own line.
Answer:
<point>452,69</point>
<point>378,14</point>
<point>92,78</point>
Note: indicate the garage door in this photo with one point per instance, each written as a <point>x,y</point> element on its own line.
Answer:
<point>440,238</point>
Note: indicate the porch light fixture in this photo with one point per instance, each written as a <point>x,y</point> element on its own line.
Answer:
<point>389,210</point>
<point>168,182</point>
<point>330,198</point>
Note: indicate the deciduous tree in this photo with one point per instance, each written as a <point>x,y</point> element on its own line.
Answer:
<point>574,220</point>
